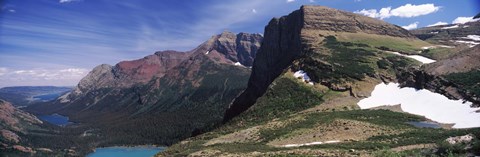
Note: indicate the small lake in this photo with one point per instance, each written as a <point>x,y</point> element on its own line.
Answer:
<point>423,102</point>
<point>55,119</point>
<point>140,151</point>
<point>425,124</point>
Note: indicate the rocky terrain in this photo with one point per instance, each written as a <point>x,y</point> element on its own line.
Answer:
<point>455,72</point>
<point>133,102</point>
<point>14,123</point>
<point>289,37</point>
<point>341,56</point>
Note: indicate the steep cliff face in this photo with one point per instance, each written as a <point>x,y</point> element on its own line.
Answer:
<point>298,34</point>
<point>281,45</point>
<point>239,48</point>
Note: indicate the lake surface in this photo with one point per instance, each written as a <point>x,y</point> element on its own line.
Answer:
<point>140,151</point>
<point>423,102</point>
<point>55,119</point>
<point>425,124</point>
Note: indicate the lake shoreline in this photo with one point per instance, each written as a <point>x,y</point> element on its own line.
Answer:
<point>126,150</point>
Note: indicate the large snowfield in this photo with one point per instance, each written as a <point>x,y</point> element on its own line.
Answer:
<point>432,105</point>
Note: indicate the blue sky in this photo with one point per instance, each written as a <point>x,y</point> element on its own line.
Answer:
<point>56,42</point>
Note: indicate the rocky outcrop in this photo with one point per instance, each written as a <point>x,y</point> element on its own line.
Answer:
<point>240,47</point>
<point>13,123</point>
<point>463,61</point>
<point>281,45</point>
<point>419,79</point>
<point>15,119</point>
<point>329,19</point>
<point>288,38</point>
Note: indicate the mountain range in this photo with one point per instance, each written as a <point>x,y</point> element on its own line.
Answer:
<point>293,91</point>
<point>164,97</point>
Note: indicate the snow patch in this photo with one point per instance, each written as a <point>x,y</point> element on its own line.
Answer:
<point>436,46</point>
<point>240,64</point>
<point>207,52</point>
<point>472,37</point>
<point>423,102</point>
<point>434,32</point>
<point>470,43</point>
<point>450,27</point>
<point>466,26</point>
<point>419,58</point>
<point>311,143</point>
<point>303,75</point>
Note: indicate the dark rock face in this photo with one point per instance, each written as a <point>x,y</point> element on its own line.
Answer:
<point>287,38</point>
<point>281,45</point>
<point>433,76</point>
<point>240,48</point>
<point>419,79</point>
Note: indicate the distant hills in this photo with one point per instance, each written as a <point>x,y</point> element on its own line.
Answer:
<point>27,95</point>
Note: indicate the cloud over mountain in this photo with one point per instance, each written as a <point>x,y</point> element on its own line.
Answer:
<point>405,11</point>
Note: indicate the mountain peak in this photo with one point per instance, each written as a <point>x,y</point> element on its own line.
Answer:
<point>241,47</point>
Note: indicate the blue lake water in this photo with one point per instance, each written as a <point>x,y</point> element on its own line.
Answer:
<point>55,119</point>
<point>425,124</point>
<point>126,152</point>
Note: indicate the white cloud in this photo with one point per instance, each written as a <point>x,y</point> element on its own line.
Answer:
<point>289,1</point>
<point>37,77</point>
<point>438,24</point>
<point>67,1</point>
<point>3,71</point>
<point>405,11</point>
<point>254,11</point>
<point>12,10</point>
<point>411,26</point>
<point>462,20</point>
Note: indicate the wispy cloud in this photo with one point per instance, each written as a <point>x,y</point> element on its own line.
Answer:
<point>411,26</point>
<point>462,20</point>
<point>438,24</point>
<point>56,77</point>
<point>68,1</point>
<point>289,1</point>
<point>65,37</point>
<point>405,11</point>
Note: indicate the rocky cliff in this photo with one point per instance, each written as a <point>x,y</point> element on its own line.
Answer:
<point>297,34</point>
<point>443,76</point>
